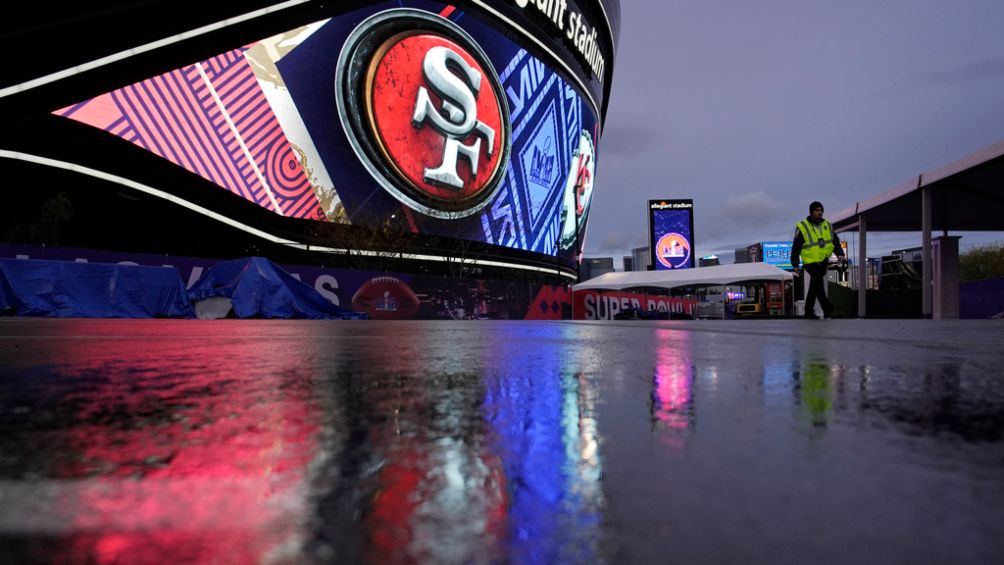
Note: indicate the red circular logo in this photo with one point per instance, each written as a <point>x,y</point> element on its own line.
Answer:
<point>397,81</point>
<point>430,122</point>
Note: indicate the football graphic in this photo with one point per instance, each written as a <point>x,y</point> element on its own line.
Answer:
<point>386,298</point>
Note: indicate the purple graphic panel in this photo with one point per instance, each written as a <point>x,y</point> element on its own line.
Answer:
<point>213,119</point>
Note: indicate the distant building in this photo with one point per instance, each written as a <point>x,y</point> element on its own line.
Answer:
<point>593,267</point>
<point>628,263</point>
<point>641,260</point>
<point>771,252</point>
<point>708,261</point>
<point>911,255</point>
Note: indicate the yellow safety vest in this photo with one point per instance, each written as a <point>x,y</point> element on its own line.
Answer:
<point>818,241</point>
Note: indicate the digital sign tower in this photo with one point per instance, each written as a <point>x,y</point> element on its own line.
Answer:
<point>671,233</point>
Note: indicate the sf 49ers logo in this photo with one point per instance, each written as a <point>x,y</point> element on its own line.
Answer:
<point>459,102</point>
<point>430,122</point>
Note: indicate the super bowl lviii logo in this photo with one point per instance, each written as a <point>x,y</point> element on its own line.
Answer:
<point>424,110</point>
<point>673,251</point>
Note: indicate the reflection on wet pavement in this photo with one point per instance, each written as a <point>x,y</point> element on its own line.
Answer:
<point>476,442</point>
<point>672,386</point>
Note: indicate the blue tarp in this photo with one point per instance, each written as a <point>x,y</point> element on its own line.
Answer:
<point>66,289</point>
<point>7,300</point>
<point>258,288</point>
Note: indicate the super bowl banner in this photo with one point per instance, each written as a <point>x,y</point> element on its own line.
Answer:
<point>412,114</point>
<point>606,305</point>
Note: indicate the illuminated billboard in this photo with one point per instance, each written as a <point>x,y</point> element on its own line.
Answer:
<point>411,115</point>
<point>671,233</point>
<point>777,253</point>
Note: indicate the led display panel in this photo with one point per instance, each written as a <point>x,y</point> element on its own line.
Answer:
<point>414,114</point>
<point>777,253</point>
<point>671,234</point>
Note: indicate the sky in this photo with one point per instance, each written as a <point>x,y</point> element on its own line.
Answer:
<point>755,109</point>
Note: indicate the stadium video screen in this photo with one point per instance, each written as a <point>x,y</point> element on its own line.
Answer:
<point>412,112</point>
<point>671,234</point>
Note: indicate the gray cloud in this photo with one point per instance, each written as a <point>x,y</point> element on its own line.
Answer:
<point>631,138</point>
<point>989,69</point>
<point>986,71</point>
<point>754,110</point>
<point>748,209</point>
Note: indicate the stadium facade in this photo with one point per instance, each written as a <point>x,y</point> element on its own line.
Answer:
<point>421,142</point>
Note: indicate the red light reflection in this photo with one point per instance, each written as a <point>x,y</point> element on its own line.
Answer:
<point>672,381</point>
<point>444,504</point>
<point>185,449</point>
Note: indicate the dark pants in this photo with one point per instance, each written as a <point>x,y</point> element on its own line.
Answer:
<point>817,277</point>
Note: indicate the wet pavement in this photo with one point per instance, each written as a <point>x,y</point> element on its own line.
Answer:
<point>786,441</point>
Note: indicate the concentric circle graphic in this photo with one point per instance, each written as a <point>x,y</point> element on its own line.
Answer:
<point>673,251</point>
<point>282,170</point>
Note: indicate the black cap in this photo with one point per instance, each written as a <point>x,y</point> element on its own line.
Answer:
<point>815,205</point>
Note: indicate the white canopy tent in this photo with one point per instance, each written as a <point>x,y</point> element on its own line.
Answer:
<point>719,275</point>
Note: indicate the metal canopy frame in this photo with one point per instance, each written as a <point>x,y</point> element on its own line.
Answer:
<point>966,195</point>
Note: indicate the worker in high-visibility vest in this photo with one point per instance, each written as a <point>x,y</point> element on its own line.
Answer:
<point>812,245</point>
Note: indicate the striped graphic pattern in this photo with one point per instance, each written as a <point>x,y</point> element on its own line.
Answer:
<point>213,119</point>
